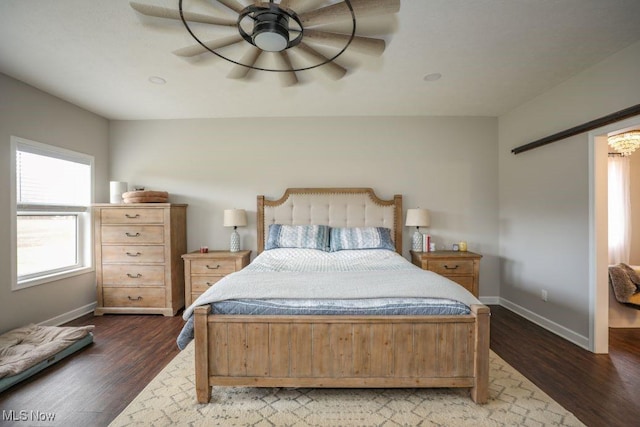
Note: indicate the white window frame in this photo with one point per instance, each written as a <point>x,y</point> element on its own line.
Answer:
<point>84,229</point>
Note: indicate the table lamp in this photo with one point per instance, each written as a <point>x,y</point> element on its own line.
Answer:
<point>235,218</point>
<point>417,218</point>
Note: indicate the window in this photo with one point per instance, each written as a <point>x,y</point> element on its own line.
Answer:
<point>52,191</point>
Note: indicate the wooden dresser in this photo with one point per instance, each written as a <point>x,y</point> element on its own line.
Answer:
<point>461,267</point>
<point>137,252</point>
<point>202,270</point>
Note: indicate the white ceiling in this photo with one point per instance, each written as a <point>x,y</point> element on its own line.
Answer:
<point>493,56</point>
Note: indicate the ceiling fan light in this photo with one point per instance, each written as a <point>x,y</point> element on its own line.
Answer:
<point>271,32</point>
<point>270,41</point>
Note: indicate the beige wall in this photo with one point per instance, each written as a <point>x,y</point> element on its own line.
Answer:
<point>527,214</point>
<point>29,113</point>
<point>544,194</point>
<point>447,165</point>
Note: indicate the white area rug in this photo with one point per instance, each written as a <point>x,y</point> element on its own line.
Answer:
<point>170,400</point>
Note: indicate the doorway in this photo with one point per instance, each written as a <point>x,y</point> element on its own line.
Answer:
<point>598,233</point>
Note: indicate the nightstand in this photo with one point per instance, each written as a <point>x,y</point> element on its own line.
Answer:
<point>202,270</point>
<point>461,267</point>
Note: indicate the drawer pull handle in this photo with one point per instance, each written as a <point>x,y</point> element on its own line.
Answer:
<point>451,268</point>
<point>137,276</point>
<point>213,268</point>
<point>132,254</point>
<point>210,284</point>
<point>132,216</point>
<point>132,235</point>
<point>134,299</point>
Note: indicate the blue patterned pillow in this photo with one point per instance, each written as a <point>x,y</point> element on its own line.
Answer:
<point>298,236</point>
<point>361,238</point>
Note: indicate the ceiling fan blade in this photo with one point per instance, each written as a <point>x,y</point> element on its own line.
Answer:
<point>332,69</point>
<point>290,78</point>
<point>301,6</point>
<point>163,12</point>
<point>340,12</point>
<point>233,5</point>
<point>249,58</point>
<point>367,45</point>
<point>197,49</point>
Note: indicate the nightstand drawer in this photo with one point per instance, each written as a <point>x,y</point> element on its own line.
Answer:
<point>200,284</point>
<point>133,234</point>
<point>203,270</point>
<point>132,254</point>
<point>465,281</point>
<point>132,216</point>
<point>134,297</point>
<point>451,266</point>
<point>132,275</point>
<point>461,267</point>
<point>213,266</point>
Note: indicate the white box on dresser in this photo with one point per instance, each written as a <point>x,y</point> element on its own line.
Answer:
<point>138,248</point>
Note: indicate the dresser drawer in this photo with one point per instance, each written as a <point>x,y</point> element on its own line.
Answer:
<point>133,234</point>
<point>200,284</point>
<point>132,254</point>
<point>213,266</point>
<point>447,267</point>
<point>132,275</point>
<point>134,297</point>
<point>132,216</point>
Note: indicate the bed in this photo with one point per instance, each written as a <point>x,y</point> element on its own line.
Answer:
<point>338,350</point>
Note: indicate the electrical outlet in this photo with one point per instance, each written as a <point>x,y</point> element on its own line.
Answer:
<point>544,295</point>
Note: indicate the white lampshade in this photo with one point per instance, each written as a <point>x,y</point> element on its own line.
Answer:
<point>235,218</point>
<point>418,218</point>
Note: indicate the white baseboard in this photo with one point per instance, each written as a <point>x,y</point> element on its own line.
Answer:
<point>69,316</point>
<point>490,300</point>
<point>568,334</point>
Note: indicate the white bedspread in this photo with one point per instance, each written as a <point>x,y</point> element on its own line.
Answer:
<point>309,273</point>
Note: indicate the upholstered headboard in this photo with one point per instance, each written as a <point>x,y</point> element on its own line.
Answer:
<point>336,207</point>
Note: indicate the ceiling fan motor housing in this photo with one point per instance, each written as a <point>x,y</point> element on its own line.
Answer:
<point>271,30</point>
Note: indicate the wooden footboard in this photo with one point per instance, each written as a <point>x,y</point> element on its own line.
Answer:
<point>342,351</point>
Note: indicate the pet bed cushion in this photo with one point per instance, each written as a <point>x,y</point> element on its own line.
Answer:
<point>27,350</point>
<point>626,284</point>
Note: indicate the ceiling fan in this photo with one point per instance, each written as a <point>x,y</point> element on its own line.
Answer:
<point>283,30</point>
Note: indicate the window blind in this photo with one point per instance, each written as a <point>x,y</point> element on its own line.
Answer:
<point>57,181</point>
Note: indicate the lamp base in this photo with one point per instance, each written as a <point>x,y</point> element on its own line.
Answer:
<point>417,242</point>
<point>234,244</point>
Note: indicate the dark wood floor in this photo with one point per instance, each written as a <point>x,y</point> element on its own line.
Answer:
<point>93,386</point>
<point>599,389</point>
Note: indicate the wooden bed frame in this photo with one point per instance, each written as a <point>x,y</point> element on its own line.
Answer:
<point>340,351</point>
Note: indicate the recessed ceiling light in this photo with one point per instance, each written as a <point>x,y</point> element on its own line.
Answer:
<point>157,80</point>
<point>432,77</point>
